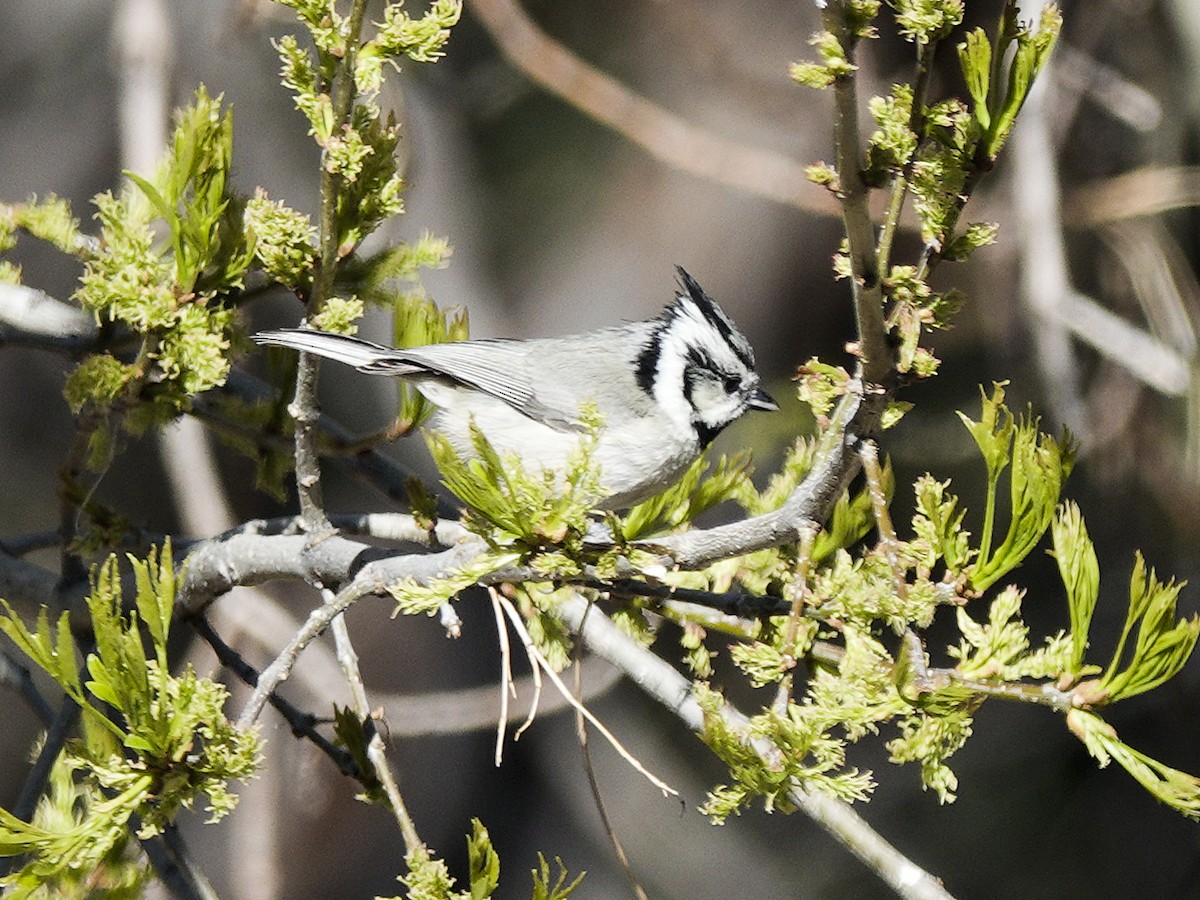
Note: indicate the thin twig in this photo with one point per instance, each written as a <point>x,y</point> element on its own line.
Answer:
<point>900,183</point>
<point>56,738</point>
<point>506,678</point>
<point>279,669</point>
<point>173,864</point>
<point>745,606</point>
<point>869,451</point>
<point>535,671</point>
<point>304,408</point>
<point>791,632</point>
<point>877,362</point>
<point>302,724</point>
<point>376,752</point>
<point>593,782</point>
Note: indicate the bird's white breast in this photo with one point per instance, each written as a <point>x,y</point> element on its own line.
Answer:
<point>637,459</point>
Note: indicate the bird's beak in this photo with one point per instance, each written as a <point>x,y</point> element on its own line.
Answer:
<point>760,399</point>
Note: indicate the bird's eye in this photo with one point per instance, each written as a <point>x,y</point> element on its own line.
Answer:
<point>732,384</point>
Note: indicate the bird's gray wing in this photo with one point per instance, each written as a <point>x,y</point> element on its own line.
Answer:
<point>499,368</point>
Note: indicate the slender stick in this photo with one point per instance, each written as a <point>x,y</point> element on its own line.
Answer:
<point>537,659</point>
<point>876,356</point>
<point>376,752</point>
<point>277,672</point>
<point>301,723</point>
<point>304,408</point>
<point>506,678</point>
<point>593,783</point>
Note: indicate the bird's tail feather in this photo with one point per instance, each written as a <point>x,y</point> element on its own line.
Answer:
<point>363,355</point>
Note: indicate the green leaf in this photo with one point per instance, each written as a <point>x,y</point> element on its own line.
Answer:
<point>696,491</point>
<point>1163,644</point>
<point>1080,571</point>
<point>1176,789</point>
<point>975,58</point>
<point>821,385</point>
<point>851,518</point>
<point>993,432</point>
<point>1033,51</point>
<point>483,861</point>
<point>1040,466</point>
<point>428,878</point>
<point>938,522</point>
<point>156,580</point>
<point>560,889</point>
<point>510,505</point>
<point>52,650</point>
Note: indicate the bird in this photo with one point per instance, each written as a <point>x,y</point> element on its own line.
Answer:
<point>663,389</point>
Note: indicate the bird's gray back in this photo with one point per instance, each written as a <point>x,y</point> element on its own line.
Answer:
<point>549,379</point>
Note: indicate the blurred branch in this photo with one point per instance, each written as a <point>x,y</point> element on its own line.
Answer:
<point>1079,74</point>
<point>1148,191</point>
<point>32,317</point>
<point>1045,279</point>
<point>664,135</point>
<point>373,466</point>
<point>1063,312</point>
<point>173,864</point>
<point>1161,278</point>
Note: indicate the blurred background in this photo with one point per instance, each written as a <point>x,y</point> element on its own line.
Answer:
<point>1088,305</point>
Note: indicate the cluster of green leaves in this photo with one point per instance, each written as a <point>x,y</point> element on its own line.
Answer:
<point>1040,466</point>
<point>151,743</point>
<point>358,143</point>
<point>336,87</point>
<point>284,241</point>
<point>170,294</point>
<point>428,877</point>
<point>846,603</point>
<point>932,151</point>
<point>515,507</point>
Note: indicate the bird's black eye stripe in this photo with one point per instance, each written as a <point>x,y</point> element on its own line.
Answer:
<point>699,358</point>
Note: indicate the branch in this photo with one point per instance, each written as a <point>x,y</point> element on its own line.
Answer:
<point>809,506</point>
<point>376,752</point>
<point>878,366</point>
<point>664,135</point>
<point>376,468</point>
<point>304,407</point>
<point>174,866</point>
<point>1148,191</point>
<point>662,682</point>
<point>301,723</point>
